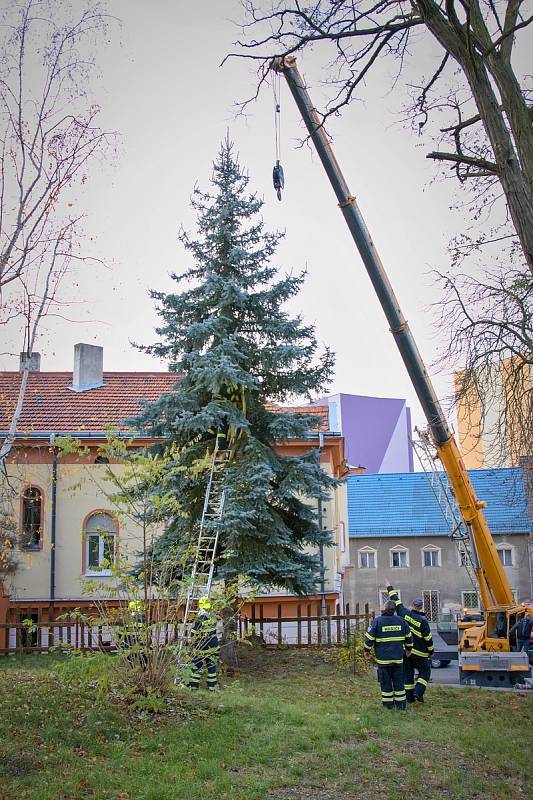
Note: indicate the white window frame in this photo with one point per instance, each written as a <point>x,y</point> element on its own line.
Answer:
<point>383,596</point>
<point>367,551</point>
<point>102,536</point>
<point>504,547</point>
<point>431,616</point>
<point>399,549</point>
<point>431,548</point>
<point>463,602</point>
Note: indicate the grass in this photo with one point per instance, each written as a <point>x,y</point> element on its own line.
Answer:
<point>288,727</point>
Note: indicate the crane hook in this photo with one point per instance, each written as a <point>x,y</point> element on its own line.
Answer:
<point>278,178</point>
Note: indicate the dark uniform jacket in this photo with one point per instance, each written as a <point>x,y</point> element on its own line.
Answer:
<point>389,635</point>
<point>204,632</point>
<point>422,639</point>
<point>523,628</point>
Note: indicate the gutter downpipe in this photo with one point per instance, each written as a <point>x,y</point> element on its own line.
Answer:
<point>530,563</point>
<point>53,522</point>
<point>323,608</point>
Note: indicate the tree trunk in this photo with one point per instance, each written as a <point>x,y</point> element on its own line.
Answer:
<point>515,178</point>
<point>8,442</point>
<point>517,113</point>
<point>515,184</point>
<point>228,649</point>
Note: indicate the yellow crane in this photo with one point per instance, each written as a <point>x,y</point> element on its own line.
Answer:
<point>485,650</point>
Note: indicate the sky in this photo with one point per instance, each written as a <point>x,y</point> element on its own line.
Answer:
<point>162,88</point>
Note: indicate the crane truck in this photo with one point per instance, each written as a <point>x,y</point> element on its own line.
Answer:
<point>486,656</point>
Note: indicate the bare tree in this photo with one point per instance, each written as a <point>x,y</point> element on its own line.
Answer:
<point>475,108</point>
<point>489,125</point>
<point>48,141</point>
<point>489,323</point>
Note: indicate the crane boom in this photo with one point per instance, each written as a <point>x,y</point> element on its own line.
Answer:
<point>493,583</point>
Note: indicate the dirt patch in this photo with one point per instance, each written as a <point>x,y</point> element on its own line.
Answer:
<point>277,661</point>
<point>307,793</point>
<point>15,764</point>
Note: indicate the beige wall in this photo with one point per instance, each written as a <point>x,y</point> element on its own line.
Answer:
<point>79,492</point>
<point>476,440</point>
<point>81,489</point>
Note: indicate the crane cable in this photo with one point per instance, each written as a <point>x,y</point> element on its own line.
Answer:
<point>278,177</point>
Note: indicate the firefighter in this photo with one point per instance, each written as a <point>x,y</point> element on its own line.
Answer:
<point>423,648</point>
<point>390,638</point>
<point>226,435</point>
<point>205,645</point>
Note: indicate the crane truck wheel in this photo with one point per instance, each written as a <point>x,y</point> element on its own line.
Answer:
<point>437,663</point>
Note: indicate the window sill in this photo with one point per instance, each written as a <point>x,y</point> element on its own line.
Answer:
<point>30,548</point>
<point>101,573</point>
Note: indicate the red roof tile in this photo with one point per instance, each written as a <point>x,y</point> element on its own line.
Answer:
<point>51,405</point>
<point>320,412</point>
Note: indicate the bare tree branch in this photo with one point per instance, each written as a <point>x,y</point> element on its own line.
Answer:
<point>462,159</point>
<point>45,153</point>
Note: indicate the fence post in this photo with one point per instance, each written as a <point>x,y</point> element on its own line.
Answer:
<point>261,623</point>
<point>280,637</point>
<point>328,624</point>
<point>347,623</point>
<point>299,625</point>
<point>4,608</point>
<point>309,630</point>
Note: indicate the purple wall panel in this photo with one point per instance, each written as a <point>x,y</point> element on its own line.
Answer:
<point>376,430</point>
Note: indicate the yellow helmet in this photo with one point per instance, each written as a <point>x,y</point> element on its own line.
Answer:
<point>204,603</point>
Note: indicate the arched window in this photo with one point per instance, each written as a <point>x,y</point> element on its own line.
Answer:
<point>100,544</point>
<point>32,508</point>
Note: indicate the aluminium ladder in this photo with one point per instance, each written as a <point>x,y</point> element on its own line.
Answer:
<point>440,487</point>
<point>205,550</point>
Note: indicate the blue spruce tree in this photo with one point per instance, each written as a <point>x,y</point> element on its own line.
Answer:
<point>225,329</point>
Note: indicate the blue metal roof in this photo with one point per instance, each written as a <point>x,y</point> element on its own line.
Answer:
<point>403,504</point>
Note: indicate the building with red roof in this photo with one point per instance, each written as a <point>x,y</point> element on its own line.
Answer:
<point>59,503</point>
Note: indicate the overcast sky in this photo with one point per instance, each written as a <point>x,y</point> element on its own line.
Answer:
<point>163,90</point>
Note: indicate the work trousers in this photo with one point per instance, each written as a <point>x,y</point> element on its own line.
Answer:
<point>210,663</point>
<point>415,688</point>
<point>390,677</point>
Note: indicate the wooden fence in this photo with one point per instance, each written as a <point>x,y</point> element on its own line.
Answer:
<point>304,630</point>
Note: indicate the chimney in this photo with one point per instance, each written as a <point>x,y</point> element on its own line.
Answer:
<point>34,362</point>
<point>88,367</point>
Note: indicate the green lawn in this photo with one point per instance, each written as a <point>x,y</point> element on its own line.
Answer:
<point>288,727</point>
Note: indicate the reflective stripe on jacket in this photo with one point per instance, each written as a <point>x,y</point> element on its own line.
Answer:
<point>389,636</point>
<point>417,621</point>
